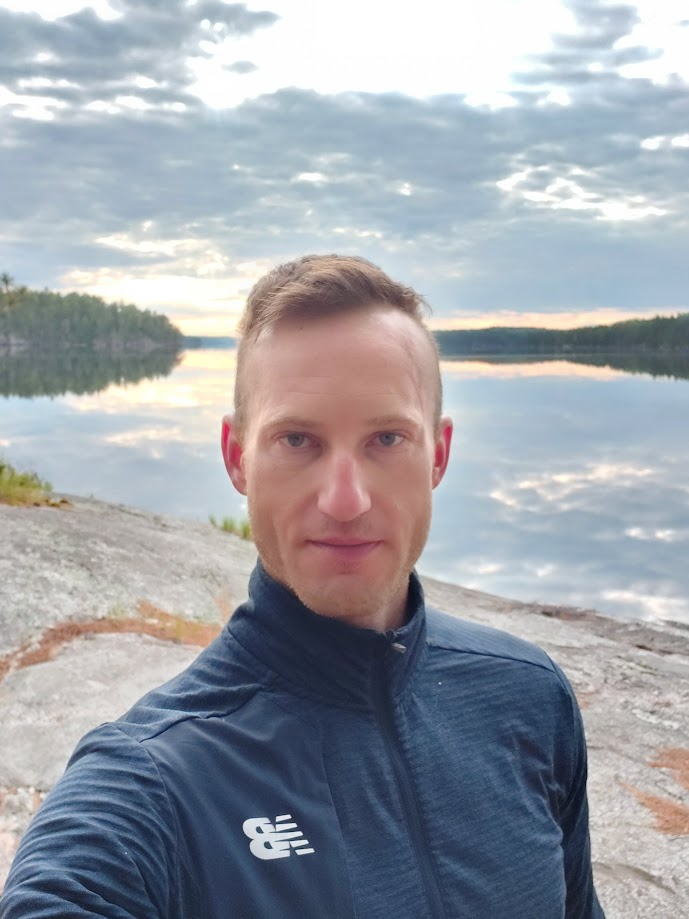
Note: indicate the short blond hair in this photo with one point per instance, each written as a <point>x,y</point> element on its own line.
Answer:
<point>320,285</point>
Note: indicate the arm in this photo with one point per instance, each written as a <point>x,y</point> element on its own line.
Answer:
<point>103,842</point>
<point>582,902</point>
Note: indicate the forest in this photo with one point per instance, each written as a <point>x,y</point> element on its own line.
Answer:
<point>662,335</point>
<point>40,320</point>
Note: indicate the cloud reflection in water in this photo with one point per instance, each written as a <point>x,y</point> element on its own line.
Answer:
<point>568,484</point>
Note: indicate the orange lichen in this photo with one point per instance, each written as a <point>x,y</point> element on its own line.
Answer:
<point>163,625</point>
<point>151,621</point>
<point>676,759</point>
<point>671,817</point>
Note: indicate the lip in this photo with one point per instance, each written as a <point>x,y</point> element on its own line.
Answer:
<point>344,549</point>
<point>343,541</point>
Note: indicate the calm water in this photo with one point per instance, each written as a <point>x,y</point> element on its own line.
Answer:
<point>568,484</point>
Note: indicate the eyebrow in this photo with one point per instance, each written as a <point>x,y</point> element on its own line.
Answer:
<point>299,423</point>
<point>392,421</point>
<point>292,421</point>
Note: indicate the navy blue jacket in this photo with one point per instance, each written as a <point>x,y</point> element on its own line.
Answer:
<point>305,768</point>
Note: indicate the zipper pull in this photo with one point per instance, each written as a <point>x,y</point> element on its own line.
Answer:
<point>397,646</point>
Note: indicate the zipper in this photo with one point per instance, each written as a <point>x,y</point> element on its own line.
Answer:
<point>384,714</point>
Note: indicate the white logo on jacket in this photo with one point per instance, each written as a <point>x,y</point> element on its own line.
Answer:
<point>276,840</point>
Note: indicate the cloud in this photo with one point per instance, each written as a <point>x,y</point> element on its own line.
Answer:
<point>566,490</point>
<point>600,522</point>
<point>589,57</point>
<point>113,168</point>
<point>242,67</point>
<point>142,54</point>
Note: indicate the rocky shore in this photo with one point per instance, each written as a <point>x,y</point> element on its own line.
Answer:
<point>98,603</point>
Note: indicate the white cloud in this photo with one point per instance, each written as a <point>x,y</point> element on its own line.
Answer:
<point>540,186</point>
<point>649,605</point>
<point>150,435</point>
<point>659,27</point>
<point>33,108</point>
<point>663,141</point>
<point>558,96</point>
<point>560,488</point>
<point>387,47</point>
<point>317,177</point>
<point>647,534</point>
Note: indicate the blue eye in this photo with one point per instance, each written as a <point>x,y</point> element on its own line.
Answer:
<point>388,439</point>
<point>295,440</point>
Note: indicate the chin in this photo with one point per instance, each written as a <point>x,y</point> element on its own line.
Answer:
<point>336,599</point>
<point>353,600</point>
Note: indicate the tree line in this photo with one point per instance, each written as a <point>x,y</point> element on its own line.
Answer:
<point>43,319</point>
<point>661,335</point>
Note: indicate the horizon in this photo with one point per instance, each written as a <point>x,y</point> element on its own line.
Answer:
<point>561,322</point>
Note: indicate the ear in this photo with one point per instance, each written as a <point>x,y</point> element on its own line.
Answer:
<point>442,451</point>
<point>232,454</point>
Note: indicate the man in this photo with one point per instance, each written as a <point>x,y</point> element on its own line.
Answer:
<point>340,750</point>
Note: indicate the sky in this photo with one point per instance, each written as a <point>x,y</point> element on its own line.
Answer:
<point>517,163</point>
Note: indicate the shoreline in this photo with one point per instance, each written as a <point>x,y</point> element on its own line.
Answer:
<point>125,598</point>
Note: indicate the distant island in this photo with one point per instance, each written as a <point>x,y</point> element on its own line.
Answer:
<point>51,343</point>
<point>213,342</point>
<point>39,320</point>
<point>662,335</point>
<point>44,320</point>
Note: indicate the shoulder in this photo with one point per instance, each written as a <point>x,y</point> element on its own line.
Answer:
<point>494,648</point>
<point>218,683</point>
<point>503,672</point>
<point>454,634</point>
<point>105,834</point>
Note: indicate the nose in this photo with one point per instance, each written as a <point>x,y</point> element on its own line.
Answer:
<point>343,494</point>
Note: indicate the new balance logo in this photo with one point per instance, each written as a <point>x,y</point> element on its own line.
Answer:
<point>275,841</point>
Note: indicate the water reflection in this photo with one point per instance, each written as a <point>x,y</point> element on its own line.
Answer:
<point>567,490</point>
<point>671,366</point>
<point>568,482</point>
<point>594,366</point>
<point>78,370</point>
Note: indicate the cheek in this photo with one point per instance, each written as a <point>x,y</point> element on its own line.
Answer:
<point>405,495</point>
<point>275,489</point>
<point>411,480</point>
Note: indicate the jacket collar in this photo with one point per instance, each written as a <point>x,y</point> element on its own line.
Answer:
<point>336,662</point>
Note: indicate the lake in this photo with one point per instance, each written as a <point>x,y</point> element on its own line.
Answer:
<point>568,483</point>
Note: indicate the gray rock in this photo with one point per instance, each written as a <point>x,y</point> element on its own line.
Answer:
<point>106,564</point>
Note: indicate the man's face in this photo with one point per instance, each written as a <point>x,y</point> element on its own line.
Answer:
<point>339,459</point>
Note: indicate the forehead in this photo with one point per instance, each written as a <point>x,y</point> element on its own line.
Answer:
<point>380,354</point>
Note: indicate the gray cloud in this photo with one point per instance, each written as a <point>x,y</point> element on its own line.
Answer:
<point>589,58</point>
<point>102,58</point>
<point>600,25</point>
<point>242,67</point>
<point>412,183</point>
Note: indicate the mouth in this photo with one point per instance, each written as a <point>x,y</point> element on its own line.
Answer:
<point>344,549</point>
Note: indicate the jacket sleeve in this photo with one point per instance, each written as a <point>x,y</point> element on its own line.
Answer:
<point>582,901</point>
<point>103,842</point>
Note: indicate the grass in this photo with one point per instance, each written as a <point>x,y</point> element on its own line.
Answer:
<point>23,488</point>
<point>241,528</point>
